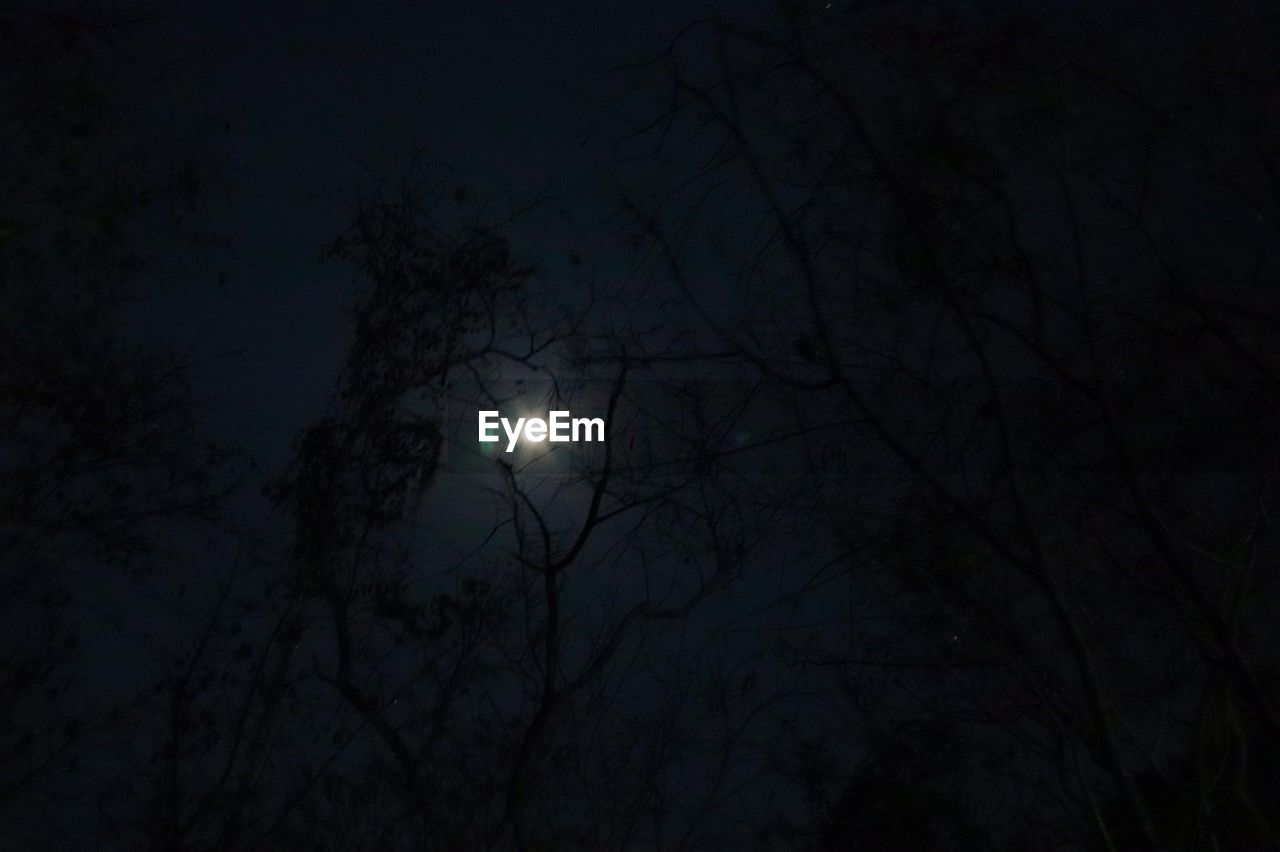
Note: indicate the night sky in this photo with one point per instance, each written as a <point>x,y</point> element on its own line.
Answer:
<point>935,348</point>
<point>302,108</point>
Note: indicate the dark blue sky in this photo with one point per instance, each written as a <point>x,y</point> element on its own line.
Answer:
<point>299,105</point>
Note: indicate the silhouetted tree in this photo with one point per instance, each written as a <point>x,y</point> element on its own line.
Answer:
<point>1018,269</point>
<point>476,705</point>
<point>104,475</point>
